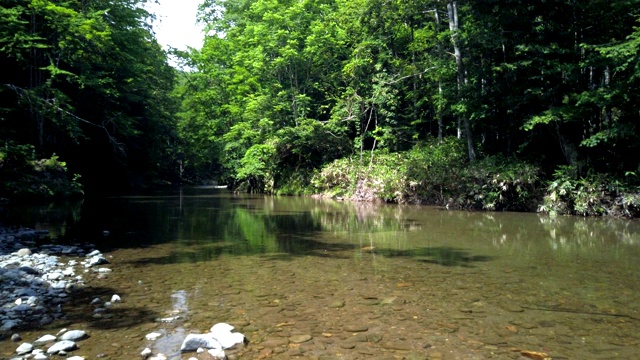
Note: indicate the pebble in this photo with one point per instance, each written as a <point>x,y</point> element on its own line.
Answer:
<point>355,328</point>
<point>153,336</point>
<point>298,339</point>
<point>392,345</point>
<point>511,307</point>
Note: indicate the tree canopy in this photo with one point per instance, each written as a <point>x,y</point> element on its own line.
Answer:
<point>281,89</point>
<point>85,80</point>
<point>285,86</point>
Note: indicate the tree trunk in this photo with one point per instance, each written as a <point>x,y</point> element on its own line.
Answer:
<point>463,120</point>
<point>439,103</point>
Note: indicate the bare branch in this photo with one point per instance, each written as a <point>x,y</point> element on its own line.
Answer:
<point>118,146</point>
<point>408,76</point>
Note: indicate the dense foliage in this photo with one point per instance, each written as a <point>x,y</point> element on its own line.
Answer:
<point>283,88</point>
<point>84,82</point>
<point>465,103</point>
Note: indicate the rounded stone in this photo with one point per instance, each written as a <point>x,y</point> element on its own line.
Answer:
<point>45,339</point>
<point>24,348</point>
<point>24,252</point>
<point>62,346</point>
<point>298,339</point>
<point>74,335</point>
<point>356,328</point>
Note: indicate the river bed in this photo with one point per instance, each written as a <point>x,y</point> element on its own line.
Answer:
<point>322,279</point>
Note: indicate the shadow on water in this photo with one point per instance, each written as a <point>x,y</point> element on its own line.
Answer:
<point>80,311</point>
<point>287,247</point>
<point>117,316</point>
<point>290,246</point>
<point>439,255</point>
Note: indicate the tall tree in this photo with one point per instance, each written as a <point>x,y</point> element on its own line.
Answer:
<point>92,83</point>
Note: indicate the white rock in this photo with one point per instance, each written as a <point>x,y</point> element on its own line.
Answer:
<point>158,357</point>
<point>194,341</point>
<point>222,333</point>
<point>54,276</point>
<point>93,253</point>
<point>153,336</point>
<point>97,260</point>
<point>40,356</point>
<point>169,319</point>
<point>64,345</point>
<point>74,335</point>
<point>115,298</point>
<point>75,358</point>
<point>217,353</point>
<point>24,252</point>
<point>221,327</point>
<point>24,348</point>
<point>145,353</point>
<point>229,340</point>
<point>44,339</point>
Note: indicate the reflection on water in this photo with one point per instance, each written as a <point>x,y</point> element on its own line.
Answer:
<point>365,280</point>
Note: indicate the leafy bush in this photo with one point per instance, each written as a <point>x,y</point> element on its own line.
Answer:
<point>433,173</point>
<point>439,174</point>
<point>593,195</point>
<point>497,183</point>
<point>24,176</point>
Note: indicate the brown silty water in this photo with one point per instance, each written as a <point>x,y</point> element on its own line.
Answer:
<point>314,279</point>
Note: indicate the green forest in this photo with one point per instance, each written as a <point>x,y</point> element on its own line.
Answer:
<point>469,104</point>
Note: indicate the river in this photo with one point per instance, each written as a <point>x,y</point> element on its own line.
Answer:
<point>322,279</point>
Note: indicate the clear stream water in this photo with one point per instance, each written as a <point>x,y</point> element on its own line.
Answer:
<point>321,279</point>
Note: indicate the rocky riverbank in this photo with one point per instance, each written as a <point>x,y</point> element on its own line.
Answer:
<point>37,281</point>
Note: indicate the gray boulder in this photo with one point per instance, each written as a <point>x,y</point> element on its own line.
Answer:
<point>194,341</point>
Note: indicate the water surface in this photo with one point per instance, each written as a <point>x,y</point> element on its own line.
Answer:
<point>363,281</point>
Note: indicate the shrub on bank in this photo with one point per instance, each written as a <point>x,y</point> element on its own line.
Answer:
<point>433,174</point>
<point>438,174</point>
<point>591,195</point>
<point>23,176</point>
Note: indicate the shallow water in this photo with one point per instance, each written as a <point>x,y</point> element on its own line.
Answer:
<point>363,281</point>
